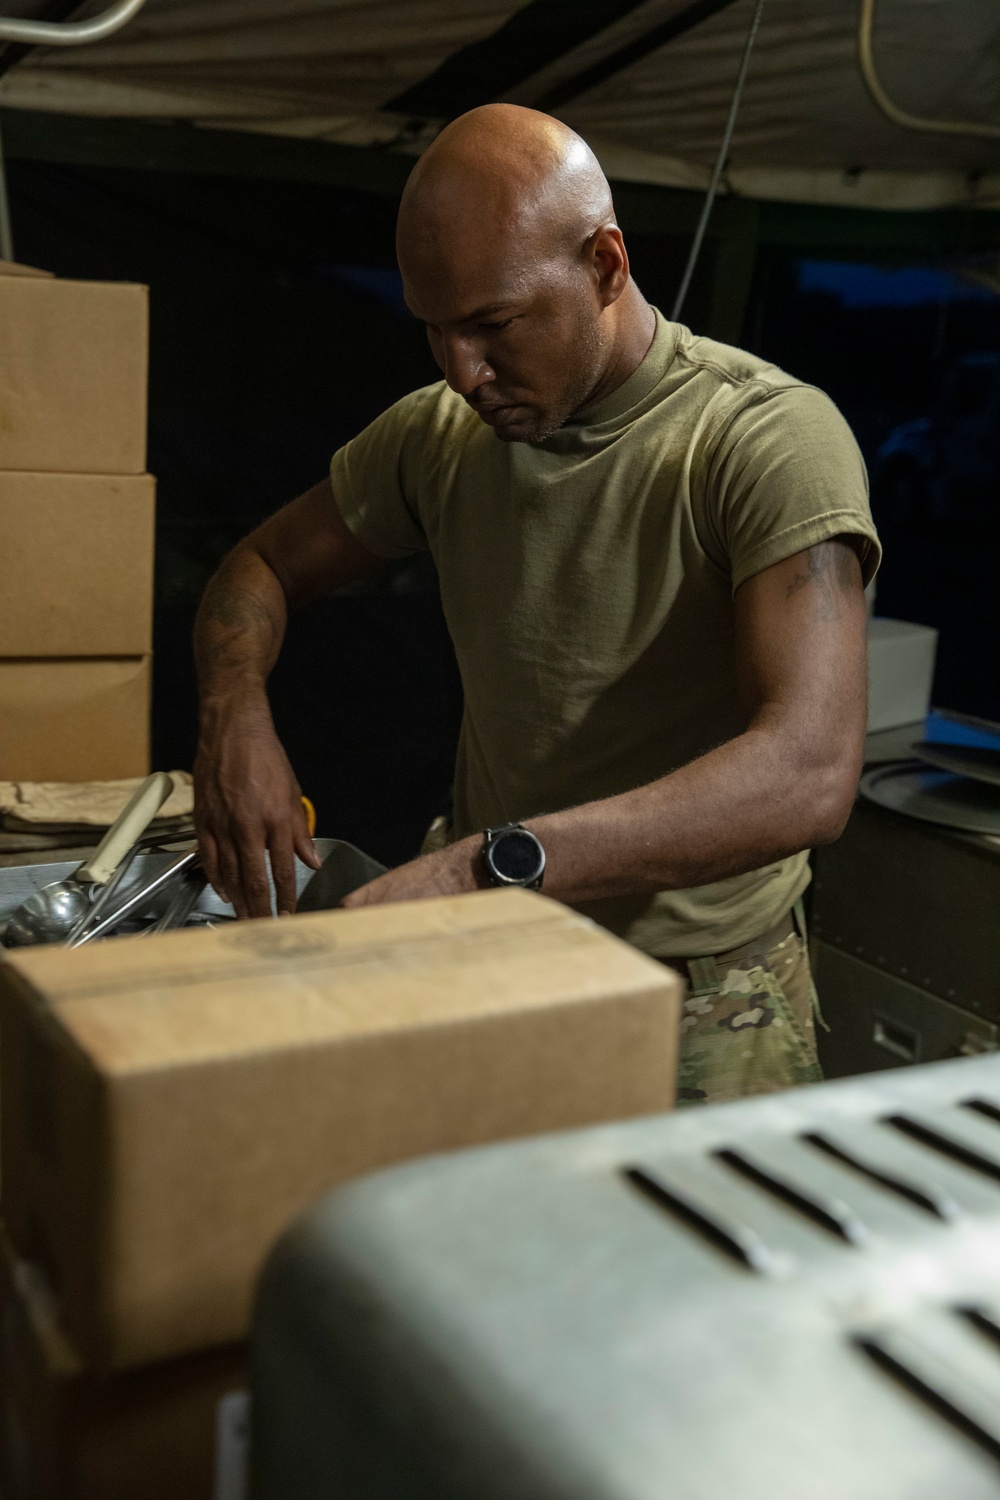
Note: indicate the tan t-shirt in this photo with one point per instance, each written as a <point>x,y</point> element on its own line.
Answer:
<point>588,580</point>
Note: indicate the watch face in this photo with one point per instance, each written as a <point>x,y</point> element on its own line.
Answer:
<point>517,856</point>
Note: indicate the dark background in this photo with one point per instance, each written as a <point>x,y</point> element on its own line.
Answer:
<point>882,341</point>
<point>278,331</point>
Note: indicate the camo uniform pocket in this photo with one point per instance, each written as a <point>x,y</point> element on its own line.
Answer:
<point>755,1033</point>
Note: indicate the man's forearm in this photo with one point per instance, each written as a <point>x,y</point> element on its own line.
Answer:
<point>762,796</point>
<point>239,628</point>
<point>754,800</point>
<point>786,783</point>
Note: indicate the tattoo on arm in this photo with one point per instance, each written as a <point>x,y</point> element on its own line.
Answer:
<point>234,629</point>
<point>833,568</point>
<point>233,609</point>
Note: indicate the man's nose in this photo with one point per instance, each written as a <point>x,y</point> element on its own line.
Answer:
<point>465,369</point>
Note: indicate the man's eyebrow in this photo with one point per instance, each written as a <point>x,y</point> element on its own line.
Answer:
<point>478,315</point>
<point>487,312</point>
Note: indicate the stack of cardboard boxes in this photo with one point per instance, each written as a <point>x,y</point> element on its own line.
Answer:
<point>170,1104</point>
<point>76,529</point>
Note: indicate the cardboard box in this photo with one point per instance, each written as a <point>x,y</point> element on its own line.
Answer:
<point>72,374</point>
<point>169,1104</point>
<point>900,672</point>
<point>13,268</point>
<point>150,1434</point>
<point>77,554</point>
<point>76,720</point>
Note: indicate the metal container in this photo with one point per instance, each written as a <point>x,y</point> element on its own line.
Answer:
<point>17,882</point>
<point>916,901</point>
<point>874,1020</point>
<point>786,1297</point>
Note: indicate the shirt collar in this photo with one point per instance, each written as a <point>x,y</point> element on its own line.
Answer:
<point>604,416</point>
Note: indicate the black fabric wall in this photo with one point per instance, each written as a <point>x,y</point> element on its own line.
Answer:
<point>887,365</point>
<point>276,334</point>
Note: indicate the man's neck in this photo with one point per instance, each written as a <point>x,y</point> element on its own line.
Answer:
<point>633,340</point>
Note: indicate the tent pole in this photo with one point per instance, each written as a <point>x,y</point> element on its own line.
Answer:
<point>69,33</point>
<point>720,163</point>
<point>6,233</point>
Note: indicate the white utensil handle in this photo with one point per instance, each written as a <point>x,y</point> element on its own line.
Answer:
<point>129,825</point>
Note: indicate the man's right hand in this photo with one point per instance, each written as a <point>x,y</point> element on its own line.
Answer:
<point>248,804</point>
<point>247,800</point>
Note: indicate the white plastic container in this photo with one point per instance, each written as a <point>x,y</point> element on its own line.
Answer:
<point>900,672</point>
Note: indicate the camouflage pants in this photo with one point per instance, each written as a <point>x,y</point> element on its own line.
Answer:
<point>750,1029</point>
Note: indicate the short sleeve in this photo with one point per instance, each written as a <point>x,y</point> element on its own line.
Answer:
<point>786,474</point>
<point>372,480</point>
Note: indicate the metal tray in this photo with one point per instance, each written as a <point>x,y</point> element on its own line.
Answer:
<point>940,797</point>
<point>978,761</point>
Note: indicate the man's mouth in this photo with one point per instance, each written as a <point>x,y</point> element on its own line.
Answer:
<point>499,410</point>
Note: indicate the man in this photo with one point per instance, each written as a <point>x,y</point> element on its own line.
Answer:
<point>652,552</point>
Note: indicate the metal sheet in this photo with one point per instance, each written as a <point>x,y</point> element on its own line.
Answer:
<point>977,761</point>
<point>776,1298</point>
<point>345,869</point>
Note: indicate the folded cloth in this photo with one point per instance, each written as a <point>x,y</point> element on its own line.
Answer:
<point>76,806</point>
<point>18,843</point>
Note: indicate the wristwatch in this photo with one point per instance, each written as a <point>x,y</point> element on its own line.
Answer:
<point>513,856</point>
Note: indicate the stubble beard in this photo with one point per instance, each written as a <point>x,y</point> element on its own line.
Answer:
<point>586,358</point>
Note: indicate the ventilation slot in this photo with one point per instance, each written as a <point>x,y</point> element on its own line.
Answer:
<point>938,1140</point>
<point>983,1107</point>
<point>985,1320</point>
<point>925,1376</point>
<point>721,1229</point>
<point>824,1210</point>
<point>925,1195</point>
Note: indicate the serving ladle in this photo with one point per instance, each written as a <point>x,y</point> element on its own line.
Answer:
<point>58,910</point>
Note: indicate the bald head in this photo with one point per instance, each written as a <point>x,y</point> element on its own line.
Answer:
<point>510,254</point>
<point>503,170</point>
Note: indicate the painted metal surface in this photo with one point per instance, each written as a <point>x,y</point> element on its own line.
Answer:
<point>785,1296</point>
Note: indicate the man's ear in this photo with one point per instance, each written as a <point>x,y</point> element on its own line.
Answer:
<point>609,259</point>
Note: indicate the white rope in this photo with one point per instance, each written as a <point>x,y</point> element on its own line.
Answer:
<point>866,60</point>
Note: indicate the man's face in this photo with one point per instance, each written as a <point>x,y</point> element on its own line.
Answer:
<point>522,346</point>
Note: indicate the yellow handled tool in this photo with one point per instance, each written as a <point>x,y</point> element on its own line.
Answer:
<point>310,813</point>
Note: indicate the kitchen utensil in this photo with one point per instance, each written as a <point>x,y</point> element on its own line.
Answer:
<point>106,893</point>
<point>103,898</point>
<point>182,903</point>
<point>139,899</point>
<point>51,914</point>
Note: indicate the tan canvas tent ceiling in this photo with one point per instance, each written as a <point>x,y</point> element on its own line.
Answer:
<point>352,71</point>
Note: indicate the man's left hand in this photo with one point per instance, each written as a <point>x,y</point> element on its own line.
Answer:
<point>447,872</point>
